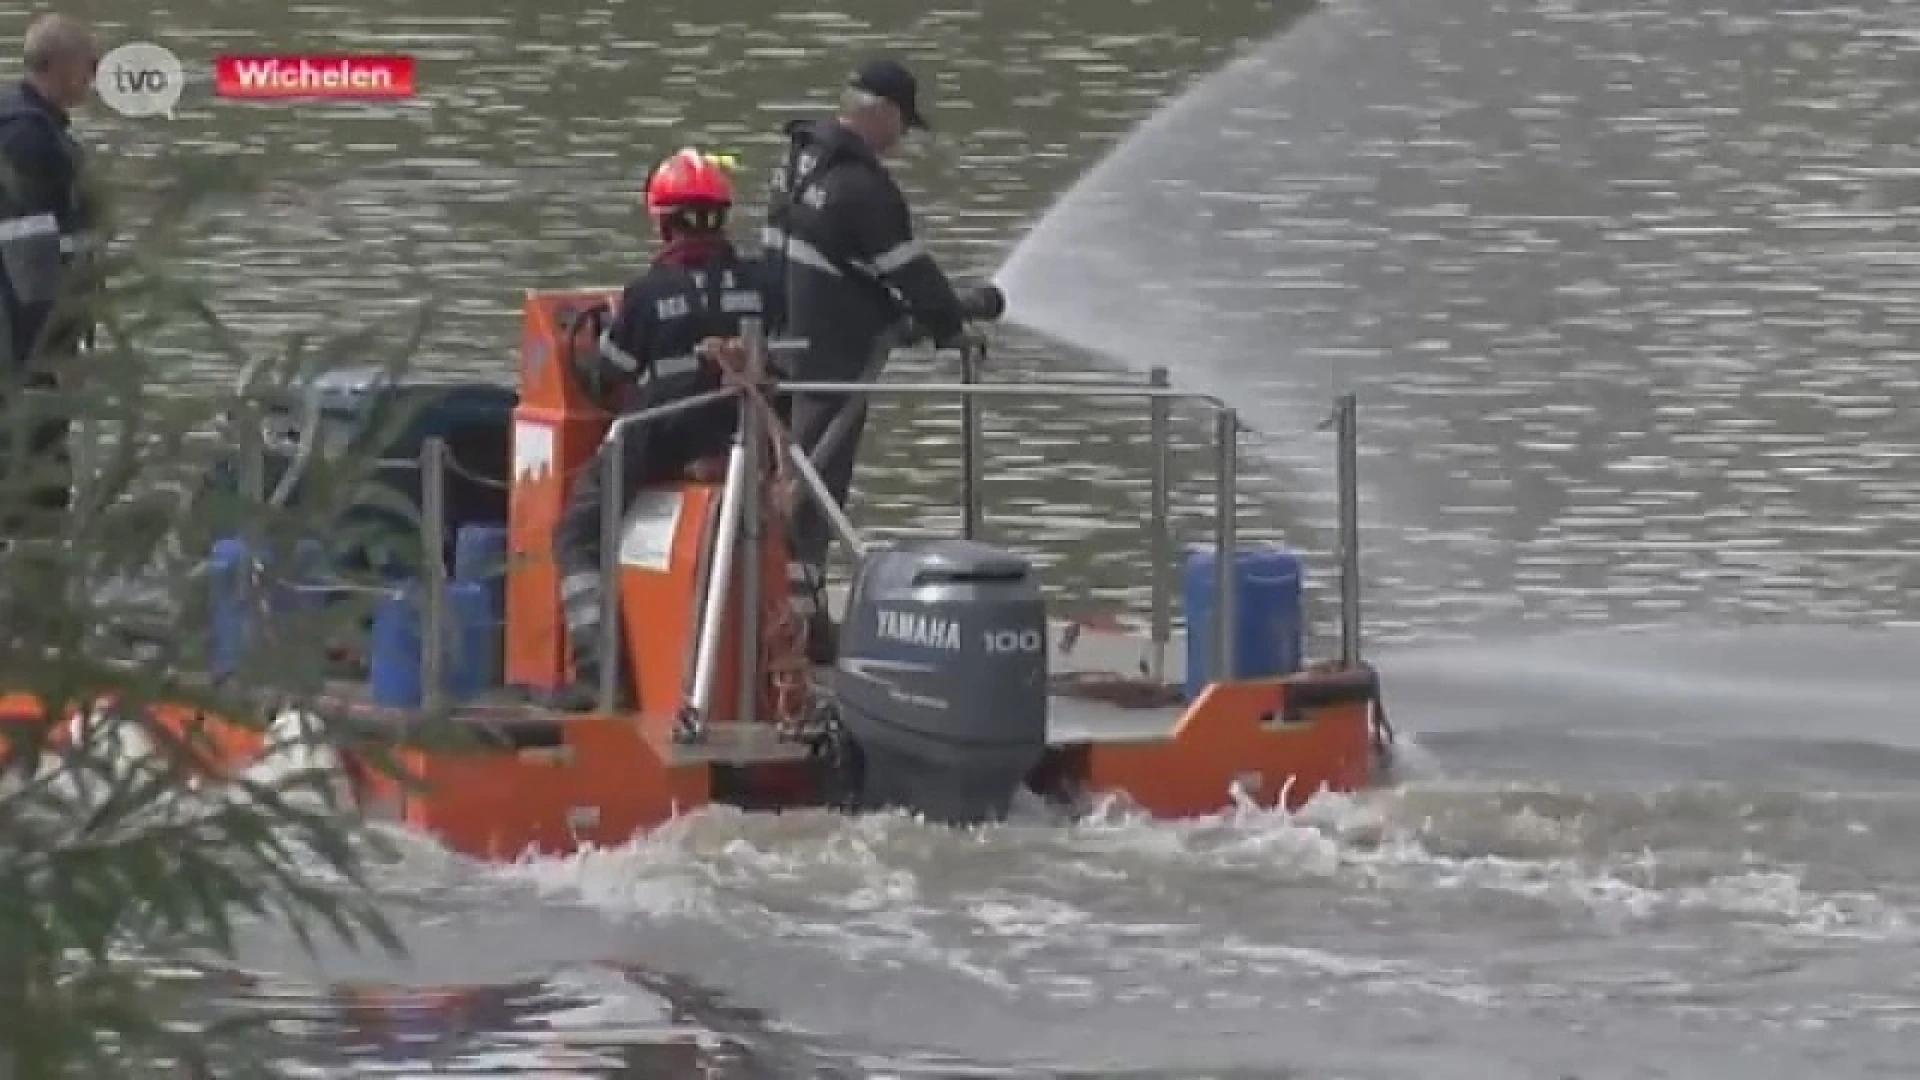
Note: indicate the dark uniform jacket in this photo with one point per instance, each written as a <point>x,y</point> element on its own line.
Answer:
<point>44,221</point>
<point>693,291</point>
<point>840,238</point>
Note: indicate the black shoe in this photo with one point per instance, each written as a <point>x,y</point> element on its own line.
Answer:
<point>582,695</point>
<point>823,640</point>
<point>585,688</point>
<point>577,697</point>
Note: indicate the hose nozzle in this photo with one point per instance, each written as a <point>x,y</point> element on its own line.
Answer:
<point>984,303</point>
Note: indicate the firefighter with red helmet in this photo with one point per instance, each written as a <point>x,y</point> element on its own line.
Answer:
<point>697,287</point>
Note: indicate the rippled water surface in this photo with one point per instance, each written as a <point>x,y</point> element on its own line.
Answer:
<point>1627,286</point>
<point>1626,290</point>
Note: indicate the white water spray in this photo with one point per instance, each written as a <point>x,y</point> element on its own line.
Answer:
<point>1080,274</point>
<point>1177,248</point>
<point>1180,247</point>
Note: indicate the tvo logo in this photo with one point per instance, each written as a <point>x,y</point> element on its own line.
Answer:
<point>140,79</point>
<point>1003,642</point>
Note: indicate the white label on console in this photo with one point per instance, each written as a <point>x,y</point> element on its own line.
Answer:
<point>646,540</point>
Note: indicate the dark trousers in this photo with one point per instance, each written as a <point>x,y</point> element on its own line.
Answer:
<point>813,417</point>
<point>649,454</point>
<point>36,464</point>
<point>813,414</point>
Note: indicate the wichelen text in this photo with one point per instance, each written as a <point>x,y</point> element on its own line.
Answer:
<point>288,75</point>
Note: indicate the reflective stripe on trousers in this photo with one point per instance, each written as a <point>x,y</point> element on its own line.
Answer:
<point>33,226</point>
<point>30,226</point>
<point>580,596</point>
<point>802,591</point>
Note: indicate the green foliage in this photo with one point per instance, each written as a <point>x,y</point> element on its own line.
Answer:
<point>122,855</point>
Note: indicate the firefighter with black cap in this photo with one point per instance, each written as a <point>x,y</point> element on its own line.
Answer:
<point>857,283</point>
<point>45,236</point>
<point>698,287</point>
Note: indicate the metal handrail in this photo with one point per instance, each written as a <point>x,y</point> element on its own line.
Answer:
<point>1156,390</point>
<point>433,614</point>
<point>1227,427</point>
<point>972,438</point>
<point>618,429</point>
<point>1160,532</point>
<point>1347,470</point>
<point>1001,389</point>
<point>1160,394</point>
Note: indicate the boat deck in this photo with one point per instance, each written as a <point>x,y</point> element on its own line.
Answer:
<point>1098,698</point>
<point>1102,695</point>
<point>508,719</point>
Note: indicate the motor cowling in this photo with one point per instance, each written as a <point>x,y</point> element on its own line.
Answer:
<point>941,684</point>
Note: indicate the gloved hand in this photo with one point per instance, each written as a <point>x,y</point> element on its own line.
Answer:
<point>727,354</point>
<point>967,340</point>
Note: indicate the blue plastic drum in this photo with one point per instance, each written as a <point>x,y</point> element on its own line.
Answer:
<point>394,678</point>
<point>1269,632</point>
<point>229,606</point>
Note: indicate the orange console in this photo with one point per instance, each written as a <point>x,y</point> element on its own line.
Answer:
<point>666,541</point>
<point>556,429</point>
<point>666,547</point>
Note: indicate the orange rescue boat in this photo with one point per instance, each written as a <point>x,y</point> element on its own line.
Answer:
<point>952,690</point>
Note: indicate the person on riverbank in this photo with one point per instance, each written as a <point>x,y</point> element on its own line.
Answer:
<point>697,288</point>
<point>841,238</point>
<point>45,237</point>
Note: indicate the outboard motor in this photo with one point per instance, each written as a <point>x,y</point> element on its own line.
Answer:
<point>942,679</point>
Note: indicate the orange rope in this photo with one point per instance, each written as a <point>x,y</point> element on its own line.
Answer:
<point>783,633</point>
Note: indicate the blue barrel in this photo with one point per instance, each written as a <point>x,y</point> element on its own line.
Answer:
<point>236,611</point>
<point>229,606</point>
<point>480,553</point>
<point>480,557</point>
<point>303,586</point>
<point>396,644</point>
<point>1269,622</point>
<point>475,633</point>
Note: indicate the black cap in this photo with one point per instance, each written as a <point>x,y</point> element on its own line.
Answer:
<point>890,80</point>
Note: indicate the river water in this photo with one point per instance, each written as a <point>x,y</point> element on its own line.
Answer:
<point>1626,290</point>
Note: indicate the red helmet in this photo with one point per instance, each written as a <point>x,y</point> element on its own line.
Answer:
<point>689,180</point>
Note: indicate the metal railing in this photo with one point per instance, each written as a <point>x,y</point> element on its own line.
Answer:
<point>1160,396</point>
<point>740,524</point>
